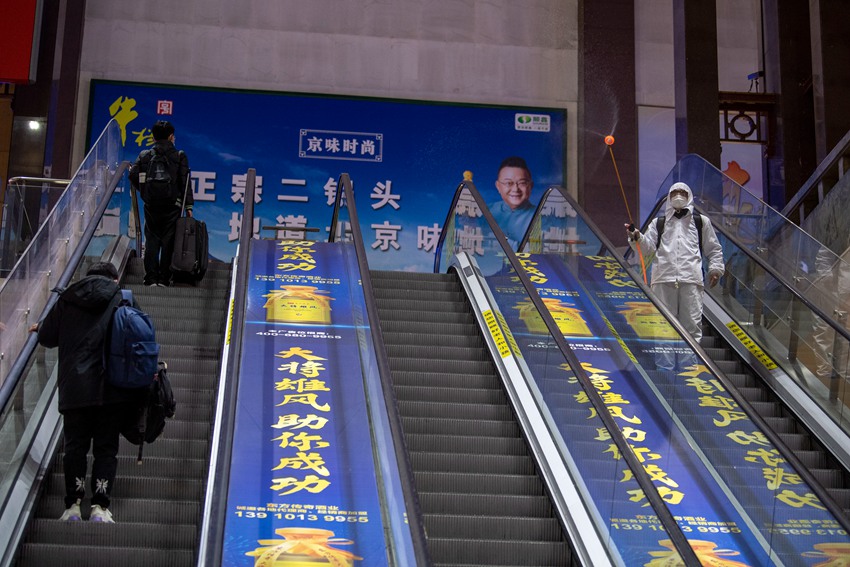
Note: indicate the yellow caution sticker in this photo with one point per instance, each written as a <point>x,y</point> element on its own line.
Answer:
<point>509,335</point>
<point>751,346</point>
<point>496,333</point>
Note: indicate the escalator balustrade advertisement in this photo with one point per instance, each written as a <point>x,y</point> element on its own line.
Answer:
<point>747,507</point>
<point>302,486</point>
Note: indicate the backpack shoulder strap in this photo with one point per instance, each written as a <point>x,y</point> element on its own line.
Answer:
<point>127,296</point>
<point>698,223</point>
<point>659,229</point>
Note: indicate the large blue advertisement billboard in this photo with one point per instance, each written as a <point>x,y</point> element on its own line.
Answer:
<point>405,158</point>
<point>303,482</point>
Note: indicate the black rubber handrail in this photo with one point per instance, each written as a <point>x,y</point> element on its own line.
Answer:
<point>752,414</point>
<point>660,508</point>
<point>411,498</point>
<point>213,539</point>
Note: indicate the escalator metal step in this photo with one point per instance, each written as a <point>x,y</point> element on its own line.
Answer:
<point>407,294</point>
<point>496,552</point>
<point>445,426</point>
<point>403,313</point>
<point>437,366</point>
<point>474,505</point>
<point>422,329</point>
<point>470,443</point>
<point>441,339</point>
<point>450,395</point>
<point>420,305</point>
<point>484,381</point>
<point>505,528</point>
<point>443,353</point>
<point>55,554</point>
<point>478,483</point>
<point>134,510</point>
<point>120,534</point>
<point>454,411</point>
<point>469,463</point>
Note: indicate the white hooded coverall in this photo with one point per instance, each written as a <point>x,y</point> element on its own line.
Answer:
<point>677,277</point>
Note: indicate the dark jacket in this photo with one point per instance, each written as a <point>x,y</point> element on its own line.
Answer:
<point>77,324</point>
<point>181,170</point>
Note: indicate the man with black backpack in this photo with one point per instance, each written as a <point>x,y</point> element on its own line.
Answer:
<point>161,175</point>
<point>679,240</point>
<point>93,411</point>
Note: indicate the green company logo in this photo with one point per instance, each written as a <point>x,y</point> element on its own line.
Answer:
<point>524,119</point>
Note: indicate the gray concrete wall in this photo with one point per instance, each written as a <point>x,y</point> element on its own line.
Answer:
<point>471,51</point>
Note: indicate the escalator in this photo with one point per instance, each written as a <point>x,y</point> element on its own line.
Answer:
<point>477,467</point>
<point>156,504</point>
<point>482,500</point>
<point>758,325</point>
<point>828,471</point>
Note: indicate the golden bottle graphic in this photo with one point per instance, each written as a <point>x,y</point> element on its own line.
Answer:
<point>706,552</point>
<point>647,321</point>
<point>566,316</point>
<point>298,304</point>
<point>303,547</point>
<point>835,554</point>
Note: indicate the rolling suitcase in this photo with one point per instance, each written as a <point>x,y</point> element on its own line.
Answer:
<point>191,251</point>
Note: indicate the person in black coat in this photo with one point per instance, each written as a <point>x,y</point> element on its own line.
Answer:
<point>92,410</point>
<point>161,213</point>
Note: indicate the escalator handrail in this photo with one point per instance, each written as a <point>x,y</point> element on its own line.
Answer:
<point>411,498</point>
<point>212,529</point>
<point>789,455</point>
<point>657,503</point>
<point>16,370</point>
<point>831,161</point>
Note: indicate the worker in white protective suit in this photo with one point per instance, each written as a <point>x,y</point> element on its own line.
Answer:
<point>677,274</point>
<point>831,292</point>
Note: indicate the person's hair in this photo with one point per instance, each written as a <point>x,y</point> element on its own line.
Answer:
<point>103,269</point>
<point>162,130</point>
<point>515,161</point>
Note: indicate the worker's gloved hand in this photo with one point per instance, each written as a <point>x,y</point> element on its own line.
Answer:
<point>632,232</point>
<point>714,277</point>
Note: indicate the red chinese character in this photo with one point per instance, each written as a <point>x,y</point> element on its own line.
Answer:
<point>164,107</point>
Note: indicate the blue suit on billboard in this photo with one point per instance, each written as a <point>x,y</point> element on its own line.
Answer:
<point>513,222</point>
<point>514,211</point>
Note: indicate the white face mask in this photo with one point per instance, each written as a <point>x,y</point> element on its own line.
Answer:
<point>677,202</point>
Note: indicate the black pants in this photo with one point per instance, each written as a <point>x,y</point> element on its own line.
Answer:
<point>95,428</point>
<point>160,225</point>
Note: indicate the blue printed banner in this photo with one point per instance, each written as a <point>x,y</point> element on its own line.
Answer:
<point>762,510</point>
<point>303,480</point>
<point>405,159</point>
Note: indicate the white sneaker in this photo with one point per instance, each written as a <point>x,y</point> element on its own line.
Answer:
<point>99,514</point>
<point>72,513</point>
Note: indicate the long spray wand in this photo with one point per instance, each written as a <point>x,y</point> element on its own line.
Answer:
<point>609,141</point>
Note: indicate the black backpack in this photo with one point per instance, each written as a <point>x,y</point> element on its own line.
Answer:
<point>161,178</point>
<point>146,424</point>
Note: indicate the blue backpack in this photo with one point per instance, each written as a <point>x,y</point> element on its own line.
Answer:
<point>132,351</point>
